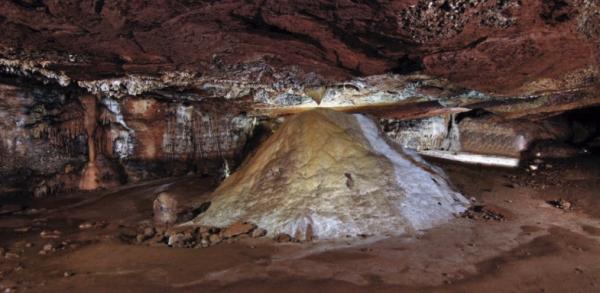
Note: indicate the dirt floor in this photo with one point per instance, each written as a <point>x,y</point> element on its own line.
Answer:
<point>528,231</point>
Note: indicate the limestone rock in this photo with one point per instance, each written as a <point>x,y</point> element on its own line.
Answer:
<point>238,228</point>
<point>296,183</point>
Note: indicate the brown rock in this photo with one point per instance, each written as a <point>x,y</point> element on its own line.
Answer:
<point>258,232</point>
<point>309,233</point>
<point>214,239</point>
<point>139,238</point>
<point>165,209</point>
<point>282,237</point>
<point>238,228</point>
<point>149,232</point>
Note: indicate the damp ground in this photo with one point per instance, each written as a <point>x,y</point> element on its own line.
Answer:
<point>527,231</point>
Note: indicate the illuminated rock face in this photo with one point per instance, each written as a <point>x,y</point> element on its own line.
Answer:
<point>332,175</point>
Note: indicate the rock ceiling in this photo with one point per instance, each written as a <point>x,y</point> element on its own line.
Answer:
<point>507,47</point>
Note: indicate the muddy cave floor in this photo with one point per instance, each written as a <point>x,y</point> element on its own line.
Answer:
<point>519,242</point>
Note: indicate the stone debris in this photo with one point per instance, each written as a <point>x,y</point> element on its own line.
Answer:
<point>50,234</point>
<point>171,208</point>
<point>85,226</point>
<point>282,237</point>
<point>11,255</point>
<point>258,232</point>
<point>482,212</point>
<point>23,229</point>
<point>561,204</point>
<point>188,237</point>
<point>238,228</point>
<point>214,239</point>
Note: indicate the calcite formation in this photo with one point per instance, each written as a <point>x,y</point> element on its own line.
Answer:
<point>330,175</point>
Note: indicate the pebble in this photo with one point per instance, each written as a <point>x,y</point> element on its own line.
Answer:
<point>204,243</point>
<point>48,247</point>
<point>149,232</point>
<point>85,225</point>
<point>259,232</point>
<point>139,238</point>
<point>11,255</point>
<point>282,237</point>
<point>50,234</point>
<point>214,239</point>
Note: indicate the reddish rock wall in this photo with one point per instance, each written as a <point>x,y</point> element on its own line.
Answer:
<point>485,44</point>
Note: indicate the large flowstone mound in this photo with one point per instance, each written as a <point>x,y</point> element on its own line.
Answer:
<point>326,174</point>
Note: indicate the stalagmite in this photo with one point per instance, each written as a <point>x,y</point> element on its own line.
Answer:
<point>329,175</point>
<point>89,180</point>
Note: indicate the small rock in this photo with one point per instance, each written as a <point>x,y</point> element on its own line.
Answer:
<point>85,225</point>
<point>175,238</point>
<point>282,237</point>
<point>259,232</point>
<point>140,238</point>
<point>166,209</point>
<point>238,228</point>
<point>11,255</point>
<point>50,234</point>
<point>23,229</point>
<point>68,274</point>
<point>561,204</point>
<point>533,167</point>
<point>204,243</point>
<point>149,232</point>
<point>181,240</point>
<point>214,239</point>
<point>48,247</point>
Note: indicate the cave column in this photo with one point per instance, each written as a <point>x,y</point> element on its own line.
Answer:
<point>89,180</point>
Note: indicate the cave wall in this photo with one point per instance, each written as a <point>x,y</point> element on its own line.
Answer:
<point>44,143</point>
<point>41,135</point>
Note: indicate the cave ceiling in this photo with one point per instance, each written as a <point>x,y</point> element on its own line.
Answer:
<point>452,51</point>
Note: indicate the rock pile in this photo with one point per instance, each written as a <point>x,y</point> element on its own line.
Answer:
<point>189,237</point>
